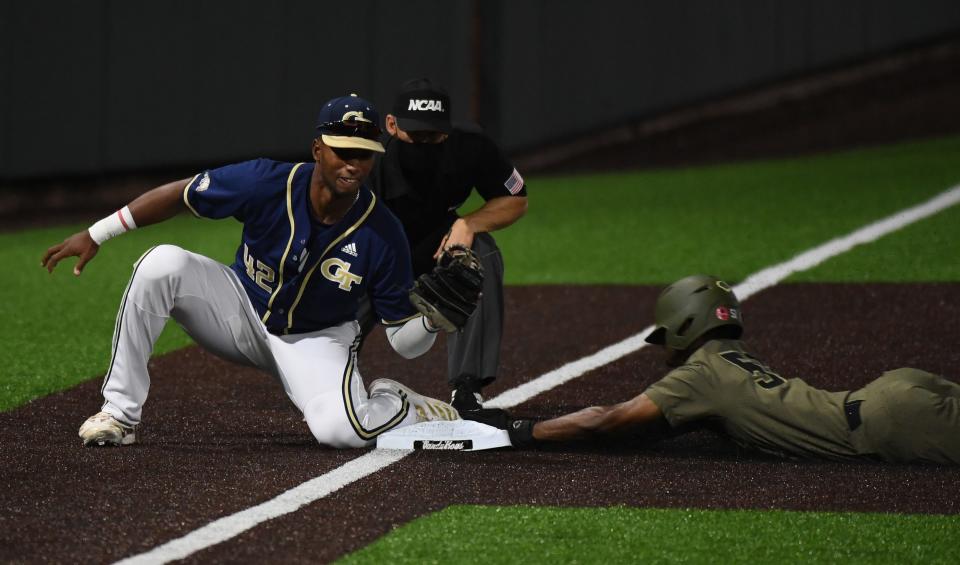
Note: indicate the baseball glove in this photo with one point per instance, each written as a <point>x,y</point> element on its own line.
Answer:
<point>449,293</point>
<point>520,430</point>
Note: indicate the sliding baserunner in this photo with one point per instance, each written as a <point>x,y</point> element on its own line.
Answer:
<point>314,241</point>
<point>906,415</point>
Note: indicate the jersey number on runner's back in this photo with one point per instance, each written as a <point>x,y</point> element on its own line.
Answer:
<point>263,275</point>
<point>762,375</point>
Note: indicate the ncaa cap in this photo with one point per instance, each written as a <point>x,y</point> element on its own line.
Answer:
<point>350,122</point>
<point>422,106</point>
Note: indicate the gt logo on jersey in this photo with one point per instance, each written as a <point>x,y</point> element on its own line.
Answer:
<point>338,271</point>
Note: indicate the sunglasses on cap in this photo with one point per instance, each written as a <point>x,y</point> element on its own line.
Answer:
<point>351,128</point>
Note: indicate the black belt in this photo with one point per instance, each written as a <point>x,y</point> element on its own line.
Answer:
<point>851,409</point>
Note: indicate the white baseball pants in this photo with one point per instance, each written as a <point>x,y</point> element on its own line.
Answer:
<point>318,369</point>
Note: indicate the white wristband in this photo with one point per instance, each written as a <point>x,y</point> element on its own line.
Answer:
<point>113,225</point>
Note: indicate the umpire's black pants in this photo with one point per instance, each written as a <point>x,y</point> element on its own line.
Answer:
<point>473,354</point>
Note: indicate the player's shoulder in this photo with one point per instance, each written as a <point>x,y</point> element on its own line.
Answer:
<point>269,168</point>
<point>702,363</point>
<point>719,347</point>
<point>382,221</point>
<point>692,369</point>
<point>731,365</point>
<point>715,351</point>
<point>260,170</point>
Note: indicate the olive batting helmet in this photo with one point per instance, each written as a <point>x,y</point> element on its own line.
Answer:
<point>691,307</point>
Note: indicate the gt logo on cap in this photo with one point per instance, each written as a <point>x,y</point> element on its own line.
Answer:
<point>423,105</point>
<point>355,115</point>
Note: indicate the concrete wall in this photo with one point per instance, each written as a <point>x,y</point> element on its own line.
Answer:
<point>90,88</point>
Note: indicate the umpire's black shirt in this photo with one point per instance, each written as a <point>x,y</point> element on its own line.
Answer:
<point>424,185</point>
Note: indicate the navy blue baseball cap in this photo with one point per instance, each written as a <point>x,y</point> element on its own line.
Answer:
<point>350,122</point>
<point>422,105</point>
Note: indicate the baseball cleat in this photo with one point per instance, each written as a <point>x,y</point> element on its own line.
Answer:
<point>428,409</point>
<point>466,400</point>
<point>102,429</point>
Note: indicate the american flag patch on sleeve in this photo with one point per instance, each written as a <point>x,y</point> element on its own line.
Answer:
<point>514,183</point>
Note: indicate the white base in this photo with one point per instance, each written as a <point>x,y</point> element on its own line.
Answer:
<point>456,435</point>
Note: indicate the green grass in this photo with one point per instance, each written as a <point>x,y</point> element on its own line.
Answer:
<point>479,534</point>
<point>732,220</point>
<point>58,327</point>
<point>630,228</point>
<point>927,251</point>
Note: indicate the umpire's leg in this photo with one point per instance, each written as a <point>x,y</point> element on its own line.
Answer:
<point>473,354</point>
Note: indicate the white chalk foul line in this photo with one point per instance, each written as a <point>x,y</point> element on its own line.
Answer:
<point>751,285</point>
<point>230,526</point>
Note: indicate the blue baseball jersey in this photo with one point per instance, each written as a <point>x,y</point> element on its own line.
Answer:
<point>302,275</point>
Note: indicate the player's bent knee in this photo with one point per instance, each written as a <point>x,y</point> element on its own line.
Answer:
<point>327,418</point>
<point>160,262</point>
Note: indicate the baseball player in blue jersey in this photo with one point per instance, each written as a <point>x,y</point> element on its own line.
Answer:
<point>314,241</point>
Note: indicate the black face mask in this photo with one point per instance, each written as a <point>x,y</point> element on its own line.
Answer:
<point>420,159</point>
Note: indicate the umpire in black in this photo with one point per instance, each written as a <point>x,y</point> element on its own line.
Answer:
<point>429,169</point>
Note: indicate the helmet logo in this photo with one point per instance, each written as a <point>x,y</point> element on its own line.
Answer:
<point>723,313</point>
<point>724,286</point>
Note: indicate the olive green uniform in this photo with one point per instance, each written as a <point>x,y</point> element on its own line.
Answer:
<point>905,415</point>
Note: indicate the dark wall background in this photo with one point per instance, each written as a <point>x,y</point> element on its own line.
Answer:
<point>118,85</point>
<point>89,88</point>
<point>580,68</point>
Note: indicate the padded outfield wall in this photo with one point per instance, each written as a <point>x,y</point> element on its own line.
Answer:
<point>91,88</point>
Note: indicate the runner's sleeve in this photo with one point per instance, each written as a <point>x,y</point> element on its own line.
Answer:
<point>223,192</point>
<point>683,395</point>
<point>498,177</point>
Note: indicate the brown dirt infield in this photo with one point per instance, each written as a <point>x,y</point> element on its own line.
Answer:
<point>219,439</point>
